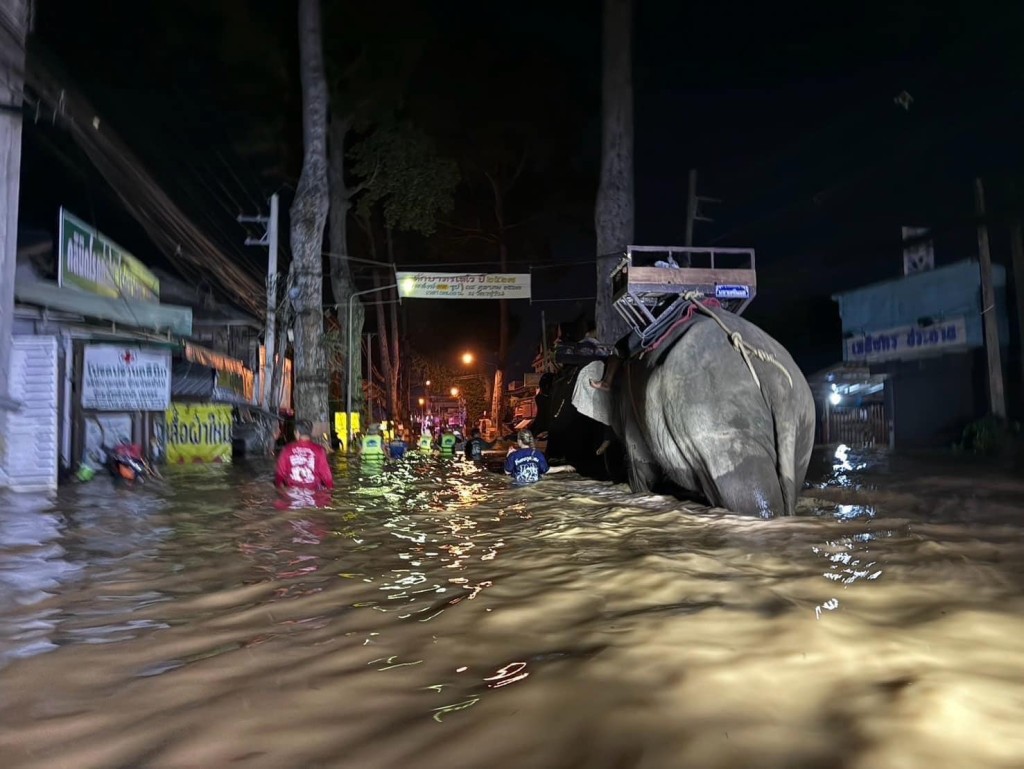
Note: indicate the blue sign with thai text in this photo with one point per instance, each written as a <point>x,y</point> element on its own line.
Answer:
<point>732,292</point>
<point>907,341</point>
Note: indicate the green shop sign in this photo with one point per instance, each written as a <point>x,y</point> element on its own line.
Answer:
<point>92,262</point>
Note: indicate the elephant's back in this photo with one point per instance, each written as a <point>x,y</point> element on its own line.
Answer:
<point>706,360</point>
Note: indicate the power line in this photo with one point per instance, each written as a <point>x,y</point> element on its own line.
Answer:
<point>189,249</point>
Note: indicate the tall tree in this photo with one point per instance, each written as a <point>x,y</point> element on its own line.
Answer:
<point>367,82</point>
<point>308,218</point>
<point>342,284</point>
<point>613,213</point>
<point>412,186</point>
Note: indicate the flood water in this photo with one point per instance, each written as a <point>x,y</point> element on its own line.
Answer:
<point>433,617</point>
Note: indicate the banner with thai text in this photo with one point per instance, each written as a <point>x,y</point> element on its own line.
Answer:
<point>462,285</point>
<point>92,262</point>
<point>118,378</point>
<point>199,433</point>
<point>907,341</point>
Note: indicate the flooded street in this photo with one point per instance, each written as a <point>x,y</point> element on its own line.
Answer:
<point>432,617</point>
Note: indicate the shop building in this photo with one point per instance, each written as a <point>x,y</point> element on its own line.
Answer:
<point>914,370</point>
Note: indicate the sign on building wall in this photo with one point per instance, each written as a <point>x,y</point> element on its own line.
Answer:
<point>341,424</point>
<point>919,256</point>
<point>907,341</point>
<point>126,378</point>
<point>462,285</point>
<point>30,440</point>
<point>199,433</point>
<point>92,262</point>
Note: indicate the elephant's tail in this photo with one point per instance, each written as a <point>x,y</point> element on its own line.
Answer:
<point>785,450</point>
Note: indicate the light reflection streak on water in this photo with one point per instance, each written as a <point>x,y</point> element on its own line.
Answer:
<point>422,592</point>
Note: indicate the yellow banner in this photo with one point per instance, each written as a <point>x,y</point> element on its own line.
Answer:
<point>198,433</point>
<point>341,425</point>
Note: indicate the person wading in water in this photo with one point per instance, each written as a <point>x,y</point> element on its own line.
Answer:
<point>303,464</point>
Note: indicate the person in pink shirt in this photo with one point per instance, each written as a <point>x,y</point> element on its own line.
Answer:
<point>303,464</point>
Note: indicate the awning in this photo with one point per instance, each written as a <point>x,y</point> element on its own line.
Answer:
<point>233,383</point>
<point>160,318</point>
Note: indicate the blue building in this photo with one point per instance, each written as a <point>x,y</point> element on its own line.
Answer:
<point>914,370</point>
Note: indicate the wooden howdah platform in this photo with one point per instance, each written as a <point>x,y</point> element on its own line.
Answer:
<point>649,284</point>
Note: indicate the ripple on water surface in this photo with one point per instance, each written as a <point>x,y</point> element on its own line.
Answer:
<point>429,615</point>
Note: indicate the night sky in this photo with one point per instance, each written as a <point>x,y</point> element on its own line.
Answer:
<point>787,112</point>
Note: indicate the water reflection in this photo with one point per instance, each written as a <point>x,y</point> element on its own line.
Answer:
<point>425,614</point>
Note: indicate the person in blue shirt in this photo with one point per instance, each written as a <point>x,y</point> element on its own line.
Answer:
<point>526,464</point>
<point>397,447</point>
<point>476,446</point>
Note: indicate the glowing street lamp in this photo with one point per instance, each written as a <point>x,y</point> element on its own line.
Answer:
<point>455,392</point>
<point>467,358</point>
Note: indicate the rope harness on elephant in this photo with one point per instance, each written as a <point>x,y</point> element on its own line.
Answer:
<point>745,348</point>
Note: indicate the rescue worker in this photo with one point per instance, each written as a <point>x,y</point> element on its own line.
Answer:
<point>426,443</point>
<point>372,446</point>
<point>448,441</point>
<point>303,464</point>
<point>526,464</point>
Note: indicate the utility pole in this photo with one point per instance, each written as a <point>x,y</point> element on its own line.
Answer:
<point>269,240</point>
<point>693,201</point>
<point>14,24</point>
<point>369,376</point>
<point>1017,247</point>
<point>997,400</point>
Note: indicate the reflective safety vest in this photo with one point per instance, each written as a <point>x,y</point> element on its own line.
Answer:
<point>448,443</point>
<point>426,442</point>
<point>373,446</point>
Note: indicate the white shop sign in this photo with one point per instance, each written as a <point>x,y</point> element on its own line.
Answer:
<point>907,341</point>
<point>126,378</point>
<point>463,285</point>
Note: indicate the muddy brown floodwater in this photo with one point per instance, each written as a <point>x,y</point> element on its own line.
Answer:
<point>432,617</point>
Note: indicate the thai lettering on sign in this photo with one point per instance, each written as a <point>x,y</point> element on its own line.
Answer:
<point>907,341</point>
<point>126,378</point>
<point>199,433</point>
<point>451,285</point>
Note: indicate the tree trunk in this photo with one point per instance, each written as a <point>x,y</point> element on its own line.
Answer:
<point>383,348</point>
<point>498,392</point>
<point>497,395</point>
<point>342,286</point>
<point>395,360</point>
<point>308,218</point>
<point>613,213</point>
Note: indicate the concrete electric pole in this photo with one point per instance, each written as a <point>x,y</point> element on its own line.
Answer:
<point>14,23</point>
<point>1017,244</point>
<point>693,201</point>
<point>269,240</point>
<point>997,400</point>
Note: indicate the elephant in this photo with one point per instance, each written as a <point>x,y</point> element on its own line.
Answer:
<point>718,410</point>
<point>573,437</point>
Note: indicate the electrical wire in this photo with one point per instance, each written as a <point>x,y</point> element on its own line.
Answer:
<point>190,250</point>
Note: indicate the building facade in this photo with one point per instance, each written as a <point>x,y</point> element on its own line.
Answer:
<point>913,359</point>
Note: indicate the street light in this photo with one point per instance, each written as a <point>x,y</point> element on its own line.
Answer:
<point>455,392</point>
<point>348,382</point>
<point>467,358</point>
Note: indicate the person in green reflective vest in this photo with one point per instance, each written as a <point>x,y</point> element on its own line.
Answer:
<point>373,444</point>
<point>448,441</point>
<point>426,443</point>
